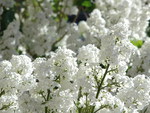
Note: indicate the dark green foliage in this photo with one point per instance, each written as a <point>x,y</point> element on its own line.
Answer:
<point>87,4</point>
<point>6,18</point>
<point>148,30</point>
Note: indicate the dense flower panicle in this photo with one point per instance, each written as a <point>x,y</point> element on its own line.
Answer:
<point>136,96</point>
<point>89,54</point>
<point>36,35</point>
<point>19,72</point>
<point>140,60</point>
<point>10,40</point>
<point>27,104</point>
<point>22,66</point>
<point>96,24</point>
<point>114,105</point>
<point>88,66</point>
<point>85,77</point>
<point>15,79</point>
<point>116,10</point>
<point>63,63</point>
<point>40,31</point>
<point>11,101</point>
<point>43,74</point>
<point>61,77</point>
<point>117,45</point>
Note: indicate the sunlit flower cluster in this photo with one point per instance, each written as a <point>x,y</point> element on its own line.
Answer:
<point>51,65</point>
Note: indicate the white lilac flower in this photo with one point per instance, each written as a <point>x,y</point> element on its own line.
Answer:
<point>10,40</point>
<point>83,27</point>
<point>140,60</point>
<point>109,104</point>
<point>136,96</point>
<point>89,54</point>
<point>63,63</point>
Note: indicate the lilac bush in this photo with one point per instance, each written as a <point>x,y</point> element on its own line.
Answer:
<point>49,65</point>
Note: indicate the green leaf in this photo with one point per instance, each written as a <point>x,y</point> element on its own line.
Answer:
<point>87,4</point>
<point>137,43</point>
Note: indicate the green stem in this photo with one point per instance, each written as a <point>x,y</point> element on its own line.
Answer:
<point>48,94</point>
<point>101,83</point>
<point>103,106</point>
<point>112,70</point>
<point>46,109</point>
<point>54,47</point>
<point>100,86</point>
<point>47,99</point>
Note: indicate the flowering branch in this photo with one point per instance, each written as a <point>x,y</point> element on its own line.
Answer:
<point>100,85</point>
